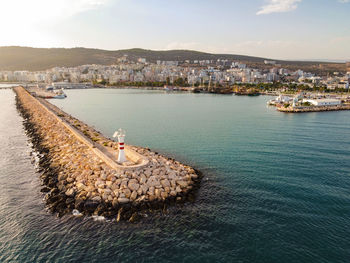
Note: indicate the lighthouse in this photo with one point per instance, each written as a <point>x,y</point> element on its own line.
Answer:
<point>121,136</point>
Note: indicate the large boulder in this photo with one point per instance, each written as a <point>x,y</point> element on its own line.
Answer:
<point>133,185</point>
<point>127,192</point>
<point>133,195</point>
<point>90,206</point>
<point>70,192</point>
<point>153,181</point>
<point>165,183</point>
<point>123,200</point>
<point>182,184</point>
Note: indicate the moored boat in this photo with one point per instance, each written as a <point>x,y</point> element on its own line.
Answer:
<point>60,96</point>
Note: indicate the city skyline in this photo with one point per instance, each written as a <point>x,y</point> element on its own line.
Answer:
<point>277,29</point>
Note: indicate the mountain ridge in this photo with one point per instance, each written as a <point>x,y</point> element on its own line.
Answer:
<point>36,59</point>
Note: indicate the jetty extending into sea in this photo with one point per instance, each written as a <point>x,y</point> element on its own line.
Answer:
<point>301,109</point>
<point>310,102</point>
<point>80,171</point>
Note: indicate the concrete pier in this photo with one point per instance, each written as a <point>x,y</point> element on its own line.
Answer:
<point>80,171</point>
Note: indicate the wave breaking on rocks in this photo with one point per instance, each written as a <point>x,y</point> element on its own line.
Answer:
<point>75,178</point>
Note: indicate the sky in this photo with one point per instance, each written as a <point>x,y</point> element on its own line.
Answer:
<point>278,29</point>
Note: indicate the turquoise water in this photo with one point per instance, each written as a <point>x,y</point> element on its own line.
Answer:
<point>276,187</point>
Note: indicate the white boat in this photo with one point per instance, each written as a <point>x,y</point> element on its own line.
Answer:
<point>60,96</point>
<point>168,88</point>
<point>281,99</point>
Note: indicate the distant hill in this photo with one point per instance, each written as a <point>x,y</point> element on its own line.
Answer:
<point>33,59</point>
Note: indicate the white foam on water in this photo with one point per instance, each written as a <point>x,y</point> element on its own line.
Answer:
<point>76,212</point>
<point>98,218</point>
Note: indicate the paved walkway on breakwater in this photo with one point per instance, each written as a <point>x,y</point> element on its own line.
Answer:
<point>108,151</point>
<point>78,178</point>
<point>313,109</point>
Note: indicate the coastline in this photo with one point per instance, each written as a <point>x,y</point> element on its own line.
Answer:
<point>75,178</point>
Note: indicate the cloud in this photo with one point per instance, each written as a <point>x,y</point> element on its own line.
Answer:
<point>344,1</point>
<point>279,6</point>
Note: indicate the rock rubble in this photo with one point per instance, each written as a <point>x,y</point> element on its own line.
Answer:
<point>75,178</point>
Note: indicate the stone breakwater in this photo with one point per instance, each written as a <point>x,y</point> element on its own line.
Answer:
<point>74,177</point>
<point>313,108</point>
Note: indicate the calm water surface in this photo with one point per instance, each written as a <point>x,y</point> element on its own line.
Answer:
<point>276,186</point>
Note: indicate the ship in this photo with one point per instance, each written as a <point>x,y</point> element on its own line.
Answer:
<point>59,95</point>
<point>171,88</point>
<point>196,90</point>
<point>249,92</point>
<point>221,91</point>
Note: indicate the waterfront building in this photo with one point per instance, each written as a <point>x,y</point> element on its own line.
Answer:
<point>323,102</point>
<point>127,70</point>
<point>67,85</point>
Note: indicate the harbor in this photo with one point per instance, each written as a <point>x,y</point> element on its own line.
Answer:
<point>248,155</point>
<point>81,172</point>
<point>128,135</point>
<point>310,102</point>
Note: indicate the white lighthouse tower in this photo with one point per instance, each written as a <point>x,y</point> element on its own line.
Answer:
<point>121,136</point>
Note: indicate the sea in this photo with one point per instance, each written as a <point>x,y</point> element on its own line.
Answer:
<point>275,187</point>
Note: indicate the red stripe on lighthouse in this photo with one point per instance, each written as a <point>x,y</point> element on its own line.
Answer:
<point>121,146</point>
